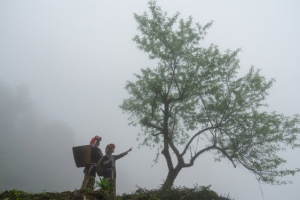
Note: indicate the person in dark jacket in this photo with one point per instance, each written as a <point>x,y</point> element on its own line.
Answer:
<point>109,164</point>
<point>90,171</point>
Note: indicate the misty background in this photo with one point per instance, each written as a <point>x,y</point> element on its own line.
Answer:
<point>63,68</point>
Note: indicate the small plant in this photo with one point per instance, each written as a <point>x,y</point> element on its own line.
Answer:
<point>205,192</point>
<point>86,189</point>
<point>104,184</point>
<point>44,194</point>
<point>16,194</point>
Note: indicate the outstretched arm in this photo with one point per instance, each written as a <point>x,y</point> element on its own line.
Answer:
<point>128,150</point>
<point>123,154</point>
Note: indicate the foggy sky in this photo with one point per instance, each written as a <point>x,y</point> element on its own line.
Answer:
<point>63,68</point>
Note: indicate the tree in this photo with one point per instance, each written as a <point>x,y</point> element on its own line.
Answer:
<point>194,94</point>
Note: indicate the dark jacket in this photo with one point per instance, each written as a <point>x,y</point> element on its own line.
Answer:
<point>111,166</point>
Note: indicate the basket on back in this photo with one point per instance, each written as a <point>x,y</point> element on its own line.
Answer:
<point>82,155</point>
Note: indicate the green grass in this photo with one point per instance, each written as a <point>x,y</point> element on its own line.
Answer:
<point>176,193</point>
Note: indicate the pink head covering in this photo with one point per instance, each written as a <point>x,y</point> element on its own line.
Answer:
<point>109,146</point>
<point>95,139</point>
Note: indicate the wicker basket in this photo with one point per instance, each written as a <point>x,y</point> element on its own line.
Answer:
<point>82,155</point>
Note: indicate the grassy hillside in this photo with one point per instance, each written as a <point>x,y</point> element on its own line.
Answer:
<point>197,193</point>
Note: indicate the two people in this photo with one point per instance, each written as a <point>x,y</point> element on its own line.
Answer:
<point>108,163</point>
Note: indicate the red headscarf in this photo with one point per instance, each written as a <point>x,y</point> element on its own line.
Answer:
<point>109,146</point>
<point>95,139</point>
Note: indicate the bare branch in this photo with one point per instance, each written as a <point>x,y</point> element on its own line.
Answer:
<point>173,147</point>
<point>191,163</point>
<point>192,138</point>
<point>157,134</point>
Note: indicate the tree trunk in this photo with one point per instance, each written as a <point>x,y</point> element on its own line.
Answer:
<point>172,174</point>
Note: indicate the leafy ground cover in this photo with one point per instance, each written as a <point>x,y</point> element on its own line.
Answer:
<point>179,193</point>
<point>76,194</point>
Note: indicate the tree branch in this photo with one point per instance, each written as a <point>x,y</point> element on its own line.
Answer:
<point>191,140</point>
<point>175,150</point>
<point>174,76</point>
<point>226,154</point>
<point>145,123</point>
<point>208,116</point>
<point>157,134</point>
<point>191,163</point>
